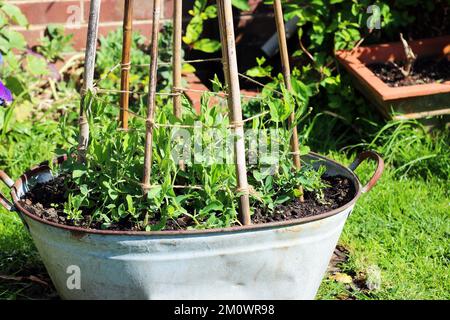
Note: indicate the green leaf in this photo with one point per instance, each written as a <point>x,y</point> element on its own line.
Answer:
<point>14,13</point>
<point>78,173</point>
<point>207,45</point>
<point>282,199</point>
<point>154,192</point>
<point>113,194</point>
<point>301,90</point>
<point>130,205</point>
<point>274,106</point>
<point>16,86</point>
<point>37,65</point>
<point>193,30</point>
<point>188,68</point>
<point>84,190</point>
<point>14,39</point>
<point>241,4</point>
<point>213,206</point>
<point>4,44</point>
<point>210,12</point>
<point>304,150</point>
<point>260,71</point>
<point>257,175</point>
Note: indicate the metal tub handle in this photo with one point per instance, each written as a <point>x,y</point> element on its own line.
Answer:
<point>378,172</point>
<point>9,183</point>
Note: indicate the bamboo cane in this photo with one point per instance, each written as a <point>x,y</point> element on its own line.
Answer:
<point>176,62</point>
<point>234,103</point>
<point>223,42</point>
<point>125,68</point>
<point>286,70</point>
<point>89,64</point>
<point>151,97</point>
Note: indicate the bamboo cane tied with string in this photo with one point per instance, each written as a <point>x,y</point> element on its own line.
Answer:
<point>126,63</point>
<point>231,73</point>
<point>286,70</point>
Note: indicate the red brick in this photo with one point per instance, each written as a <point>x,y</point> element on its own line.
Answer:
<point>80,34</point>
<point>112,10</point>
<point>46,12</point>
<point>168,8</point>
<point>41,13</point>
<point>33,36</point>
<point>194,83</point>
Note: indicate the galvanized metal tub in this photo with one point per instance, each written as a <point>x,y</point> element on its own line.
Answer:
<point>283,260</point>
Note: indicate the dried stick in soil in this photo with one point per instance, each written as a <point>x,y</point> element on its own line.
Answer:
<point>410,58</point>
<point>89,64</point>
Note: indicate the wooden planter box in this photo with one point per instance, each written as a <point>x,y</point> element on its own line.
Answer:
<point>408,102</point>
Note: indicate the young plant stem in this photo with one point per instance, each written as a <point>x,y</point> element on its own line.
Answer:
<point>279,20</point>
<point>126,63</point>
<point>225,15</point>
<point>176,60</point>
<point>151,98</point>
<point>88,84</point>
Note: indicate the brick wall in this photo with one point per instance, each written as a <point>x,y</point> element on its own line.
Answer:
<point>252,28</point>
<point>73,14</point>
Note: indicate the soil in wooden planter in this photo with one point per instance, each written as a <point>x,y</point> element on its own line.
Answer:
<point>425,70</point>
<point>46,201</point>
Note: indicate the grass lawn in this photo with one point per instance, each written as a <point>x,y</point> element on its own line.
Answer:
<point>400,228</point>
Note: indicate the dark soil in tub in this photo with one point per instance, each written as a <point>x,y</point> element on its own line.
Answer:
<point>339,192</point>
<point>40,201</point>
<point>425,70</point>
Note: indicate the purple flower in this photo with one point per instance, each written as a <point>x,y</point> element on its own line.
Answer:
<point>5,95</point>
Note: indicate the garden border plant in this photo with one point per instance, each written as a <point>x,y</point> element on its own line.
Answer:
<point>153,264</point>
